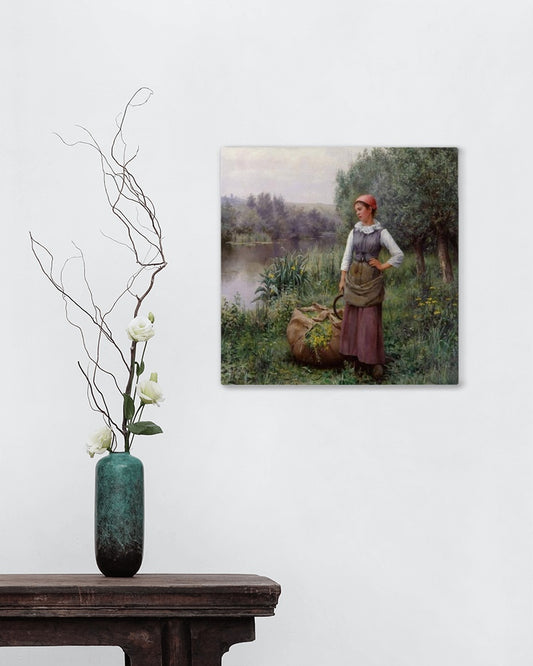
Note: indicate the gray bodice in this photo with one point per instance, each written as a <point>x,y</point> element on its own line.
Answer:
<point>366,246</point>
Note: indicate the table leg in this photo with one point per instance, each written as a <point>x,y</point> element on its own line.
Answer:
<point>210,638</point>
<point>144,641</point>
<point>143,658</point>
<point>176,643</point>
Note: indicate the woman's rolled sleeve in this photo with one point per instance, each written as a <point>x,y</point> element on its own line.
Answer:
<point>347,257</point>
<point>396,255</point>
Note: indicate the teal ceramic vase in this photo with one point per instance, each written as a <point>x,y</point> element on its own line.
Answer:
<point>119,515</point>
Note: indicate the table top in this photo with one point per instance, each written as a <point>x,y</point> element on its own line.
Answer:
<point>144,595</point>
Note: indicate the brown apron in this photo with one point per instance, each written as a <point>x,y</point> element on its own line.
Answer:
<point>364,285</point>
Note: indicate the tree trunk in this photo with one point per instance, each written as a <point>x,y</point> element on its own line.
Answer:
<point>444,257</point>
<point>418,247</point>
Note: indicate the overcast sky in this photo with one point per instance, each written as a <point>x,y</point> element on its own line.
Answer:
<point>301,174</point>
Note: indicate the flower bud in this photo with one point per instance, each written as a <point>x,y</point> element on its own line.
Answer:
<point>151,317</point>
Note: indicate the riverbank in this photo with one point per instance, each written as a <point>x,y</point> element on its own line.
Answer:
<point>420,320</point>
<point>243,263</point>
<point>329,238</point>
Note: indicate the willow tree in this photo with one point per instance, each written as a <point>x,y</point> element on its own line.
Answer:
<point>416,190</point>
<point>424,181</point>
<point>369,173</point>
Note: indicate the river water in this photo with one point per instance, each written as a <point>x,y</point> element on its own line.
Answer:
<point>242,264</point>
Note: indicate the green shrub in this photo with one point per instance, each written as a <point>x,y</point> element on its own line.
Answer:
<point>233,315</point>
<point>284,274</point>
<point>420,321</point>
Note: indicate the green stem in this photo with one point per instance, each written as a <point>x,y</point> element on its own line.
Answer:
<point>138,414</point>
<point>128,441</point>
<point>141,362</point>
<point>125,430</point>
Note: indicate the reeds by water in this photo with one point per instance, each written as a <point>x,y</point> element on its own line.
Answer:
<point>420,320</point>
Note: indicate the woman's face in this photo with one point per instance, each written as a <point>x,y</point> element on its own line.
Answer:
<point>364,213</point>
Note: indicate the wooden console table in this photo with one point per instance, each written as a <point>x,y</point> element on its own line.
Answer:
<point>157,619</point>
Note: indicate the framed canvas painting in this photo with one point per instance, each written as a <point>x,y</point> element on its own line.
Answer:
<point>339,265</point>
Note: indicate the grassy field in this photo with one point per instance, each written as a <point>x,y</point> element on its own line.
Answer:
<point>420,321</point>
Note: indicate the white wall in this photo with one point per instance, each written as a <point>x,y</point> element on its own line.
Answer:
<point>397,520</point>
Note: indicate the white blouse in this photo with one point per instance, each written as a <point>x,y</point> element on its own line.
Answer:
<point>387,241</point>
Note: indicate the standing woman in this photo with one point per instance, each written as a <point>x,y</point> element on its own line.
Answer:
<point>363,286</point>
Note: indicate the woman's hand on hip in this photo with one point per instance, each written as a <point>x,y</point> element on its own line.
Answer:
<point>377,264</point>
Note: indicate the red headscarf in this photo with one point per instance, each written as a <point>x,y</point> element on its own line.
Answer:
<point>367,199</point>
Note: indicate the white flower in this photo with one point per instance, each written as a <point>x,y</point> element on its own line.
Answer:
<point>149,391</point>
<point>100,441</point>
<point>140,329</point>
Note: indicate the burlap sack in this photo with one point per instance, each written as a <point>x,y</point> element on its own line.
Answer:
<point>305,319</point>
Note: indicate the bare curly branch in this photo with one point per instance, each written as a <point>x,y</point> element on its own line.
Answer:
<point>144,240</point>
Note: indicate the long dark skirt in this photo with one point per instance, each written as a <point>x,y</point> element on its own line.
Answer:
<point>362,334</point>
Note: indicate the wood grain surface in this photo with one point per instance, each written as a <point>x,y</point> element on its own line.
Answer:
<point>144,595</point>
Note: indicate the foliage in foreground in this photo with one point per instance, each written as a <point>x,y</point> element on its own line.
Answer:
<point>288,273</point>
<point>420,320</point>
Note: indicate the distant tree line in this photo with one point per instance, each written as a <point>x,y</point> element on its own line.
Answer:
<point>416,191</point>
<point>266,215</point>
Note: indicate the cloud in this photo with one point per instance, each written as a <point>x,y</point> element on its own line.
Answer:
<point>301,174</point>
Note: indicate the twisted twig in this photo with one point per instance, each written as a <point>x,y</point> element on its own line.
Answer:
<point>142,240</point>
